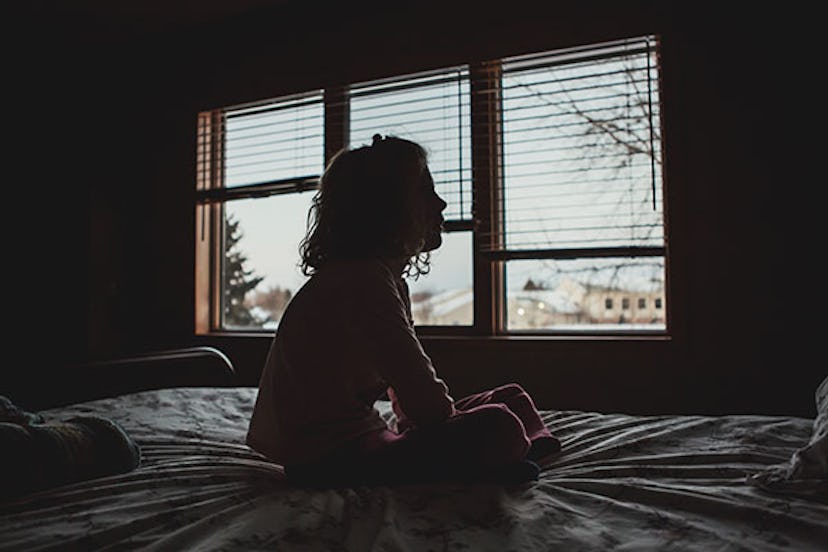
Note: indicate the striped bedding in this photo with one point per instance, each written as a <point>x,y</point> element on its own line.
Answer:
<point>621,482</point>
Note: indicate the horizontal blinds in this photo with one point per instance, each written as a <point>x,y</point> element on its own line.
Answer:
<point>578,143</point>
<point>580,149</point>
<point>431,109</point>
<point>280,140</point>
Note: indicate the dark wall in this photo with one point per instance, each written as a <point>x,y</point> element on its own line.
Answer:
<point>112,270</point>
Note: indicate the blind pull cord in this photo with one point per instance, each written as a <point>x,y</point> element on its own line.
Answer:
<point>650,118</point>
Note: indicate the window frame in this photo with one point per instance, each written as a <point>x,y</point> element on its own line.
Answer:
<point>486,225</point>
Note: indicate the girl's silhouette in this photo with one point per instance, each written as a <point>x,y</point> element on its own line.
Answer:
<point>347,339</point>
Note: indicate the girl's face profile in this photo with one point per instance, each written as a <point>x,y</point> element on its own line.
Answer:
<point>432,211</point>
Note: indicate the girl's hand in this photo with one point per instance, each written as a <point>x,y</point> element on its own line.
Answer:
<point>403,423</point>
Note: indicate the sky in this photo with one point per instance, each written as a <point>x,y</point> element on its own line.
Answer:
<point>273,228</point>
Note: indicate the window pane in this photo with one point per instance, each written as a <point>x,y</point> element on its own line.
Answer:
<point>582,151</point>
<point>585,294</point>
<point>266,244</point>
<point>274,141</point>
<point>443,297</point>
<point>431,110</point>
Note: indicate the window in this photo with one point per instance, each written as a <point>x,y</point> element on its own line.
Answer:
<point>257,166</point>
<point>642,303</point>
<point>550,165</point>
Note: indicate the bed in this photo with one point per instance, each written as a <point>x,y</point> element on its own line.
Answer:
<point>621,482</point>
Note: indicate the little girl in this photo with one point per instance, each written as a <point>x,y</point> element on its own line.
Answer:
<point>347,339</point>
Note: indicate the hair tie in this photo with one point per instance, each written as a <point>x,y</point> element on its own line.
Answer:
<point>376,139</point>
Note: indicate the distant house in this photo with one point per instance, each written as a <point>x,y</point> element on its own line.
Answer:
<point>574,303</point>
<point>571,303</point>
<point>535,308</point>
<point>621,306</point>
<point>447,308</point>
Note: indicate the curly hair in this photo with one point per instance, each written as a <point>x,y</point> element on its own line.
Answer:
<point>366,207</point>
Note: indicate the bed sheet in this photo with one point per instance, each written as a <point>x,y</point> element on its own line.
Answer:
<point>621,482</point>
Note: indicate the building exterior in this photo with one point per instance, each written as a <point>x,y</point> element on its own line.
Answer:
<point>570,304</point>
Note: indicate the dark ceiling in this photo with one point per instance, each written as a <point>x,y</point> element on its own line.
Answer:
<point>143,17</point>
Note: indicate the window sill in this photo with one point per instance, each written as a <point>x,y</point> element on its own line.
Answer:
<point>432,335</point>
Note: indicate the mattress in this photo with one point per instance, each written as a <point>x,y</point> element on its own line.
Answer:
<point>621,482</point>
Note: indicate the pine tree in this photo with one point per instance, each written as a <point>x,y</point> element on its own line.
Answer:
<point>238,281</point>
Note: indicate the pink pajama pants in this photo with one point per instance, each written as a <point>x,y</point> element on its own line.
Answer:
<point>491,430</point>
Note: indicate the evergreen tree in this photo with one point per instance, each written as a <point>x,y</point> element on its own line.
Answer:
<point>238,281</point>
<point>531,285</point>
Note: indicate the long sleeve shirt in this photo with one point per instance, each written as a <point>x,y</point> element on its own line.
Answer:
<point>345,338</point>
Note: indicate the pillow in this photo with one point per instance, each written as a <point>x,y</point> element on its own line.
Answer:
<point>807,471</point>
<point>10,412</point>
<point>38,456</point>
<point>811,462</point>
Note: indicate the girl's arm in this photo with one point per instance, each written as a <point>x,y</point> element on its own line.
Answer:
<point>392,346</point>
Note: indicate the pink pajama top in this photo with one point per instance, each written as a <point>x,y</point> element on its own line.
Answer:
<point>345,338</point>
